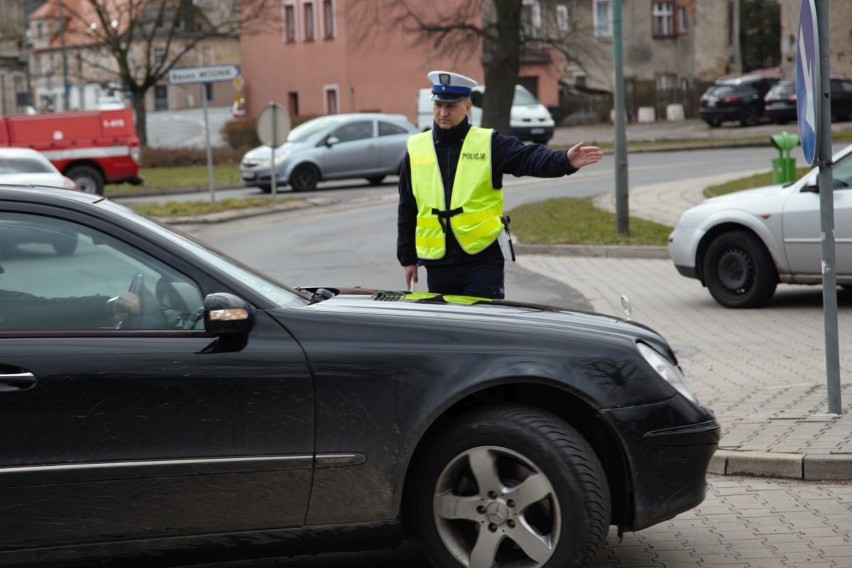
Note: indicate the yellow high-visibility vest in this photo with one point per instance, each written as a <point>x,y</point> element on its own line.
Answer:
<point>476,207</point>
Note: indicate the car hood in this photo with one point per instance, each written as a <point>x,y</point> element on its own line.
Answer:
<point>766,200</point>
<point>262,152</point>
<point>519,319</point>
<point>47,179</point>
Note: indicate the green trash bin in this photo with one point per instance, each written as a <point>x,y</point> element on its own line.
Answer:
<point>784,166</point>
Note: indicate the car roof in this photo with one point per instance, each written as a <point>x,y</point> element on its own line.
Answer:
<point>744,79</point>
<point>363,115</point>
<point>47,195</point>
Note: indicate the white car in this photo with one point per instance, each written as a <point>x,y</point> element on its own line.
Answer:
<point>336,146</point>
<point>741,245</point>
<point>528,120</point>
<point>25,166</point>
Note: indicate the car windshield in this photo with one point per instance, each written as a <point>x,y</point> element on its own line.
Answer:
<point>782,90</point>
<point>524,97</point>
<point>278,294</point>
<point>720,91</point>
<point>24,166</point>
<point>308,129</point>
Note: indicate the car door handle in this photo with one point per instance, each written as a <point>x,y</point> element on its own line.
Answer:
<point>14,382</point>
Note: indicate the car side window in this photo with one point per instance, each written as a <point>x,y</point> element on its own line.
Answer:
<point>841,173</point>
<point>388,129</point>
<point>354,131</point>
<point>59,275</point>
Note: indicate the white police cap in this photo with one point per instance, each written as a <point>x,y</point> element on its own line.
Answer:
<point>450,87</point>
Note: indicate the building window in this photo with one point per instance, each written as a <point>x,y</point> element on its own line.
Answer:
<point>562,17</point>
<point>603,18</point>
<point>293,103</point>
<point>158,55</point>
<point>331,106</point>
<point>310,25</point>
<point>288,16</point>
<point>682,24</point>
<point>531,19</point>
<point>662,18</point>
<point>328,18</point>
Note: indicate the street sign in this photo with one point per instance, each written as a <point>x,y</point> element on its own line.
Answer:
<point>209,74</point>
<point>273,125</point>
<point>808,82</point>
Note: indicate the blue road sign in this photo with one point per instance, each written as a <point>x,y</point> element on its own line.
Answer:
<point>808,81</point>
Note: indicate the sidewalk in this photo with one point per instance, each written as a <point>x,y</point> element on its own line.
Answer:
<point>761,371</point>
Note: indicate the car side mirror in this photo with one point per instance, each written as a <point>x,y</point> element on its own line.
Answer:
<point>331,141</point>
<point>227,315</point>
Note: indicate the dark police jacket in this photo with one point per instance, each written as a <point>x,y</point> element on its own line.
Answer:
<point>508,156</point>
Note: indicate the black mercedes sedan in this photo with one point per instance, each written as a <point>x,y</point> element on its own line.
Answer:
<point>161,403</point>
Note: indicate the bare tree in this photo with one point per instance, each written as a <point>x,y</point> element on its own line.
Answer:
<point>505,32</point>
<point>147,38</point>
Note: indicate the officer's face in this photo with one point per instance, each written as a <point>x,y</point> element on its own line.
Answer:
<point>448,115</point>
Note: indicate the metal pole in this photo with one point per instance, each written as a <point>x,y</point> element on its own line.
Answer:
<point>207,138</point>
<point>622,217</point>
<point>273,173</point>
<point>66,88</point>
<point>826,196</point>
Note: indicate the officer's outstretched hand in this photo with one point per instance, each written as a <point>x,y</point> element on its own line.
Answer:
<point>410,273</point>
<point>579,155</point>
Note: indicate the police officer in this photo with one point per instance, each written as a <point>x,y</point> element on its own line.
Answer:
<point>450,216</point>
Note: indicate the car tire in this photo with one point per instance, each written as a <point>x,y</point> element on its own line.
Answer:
<point>376,180</point>
<point>88,179</point>
<point>304,178</point>
<point>738,270</point>
<point>750,117</point>
<point>714,122</point>
<point>513,449</point>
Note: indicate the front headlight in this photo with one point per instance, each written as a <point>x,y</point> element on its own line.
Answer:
<point>281,156</point>
<point>665,369</point>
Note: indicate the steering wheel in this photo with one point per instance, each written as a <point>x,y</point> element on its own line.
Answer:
<point>137,284</point>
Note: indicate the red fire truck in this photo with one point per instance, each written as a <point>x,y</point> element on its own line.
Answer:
<point>91,147</point>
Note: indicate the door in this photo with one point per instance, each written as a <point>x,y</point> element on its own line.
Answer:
<point>802,228</point>
<point>125,420</point>
<point>353,153</point>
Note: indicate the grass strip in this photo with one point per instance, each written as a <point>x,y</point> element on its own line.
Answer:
<point>569,220</point>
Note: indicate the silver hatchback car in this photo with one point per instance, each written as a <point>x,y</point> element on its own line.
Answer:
<point>741,245</point>
<point>336,146</point>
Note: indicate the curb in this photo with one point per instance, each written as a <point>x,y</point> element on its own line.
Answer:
<point>814,467</point>
<point>223,216</point>
<point>600,251</point>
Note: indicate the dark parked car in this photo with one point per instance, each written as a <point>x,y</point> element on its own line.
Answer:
<point>735,99</point>
<point>781,101</point>
<point>234,416</point>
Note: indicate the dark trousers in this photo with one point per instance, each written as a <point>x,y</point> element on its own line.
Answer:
<point>481,279</point>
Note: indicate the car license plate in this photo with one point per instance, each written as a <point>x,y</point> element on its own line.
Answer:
<point>249,176</point>
<point>537,131</point>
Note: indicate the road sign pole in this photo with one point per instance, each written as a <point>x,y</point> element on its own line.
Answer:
<point>273,174</point>
<point>826,196</point>
<point>207,138</point>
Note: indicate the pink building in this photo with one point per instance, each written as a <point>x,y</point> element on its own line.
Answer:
<point>336,56</point>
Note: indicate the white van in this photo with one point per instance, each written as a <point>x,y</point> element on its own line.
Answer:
<point>530,120</point>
